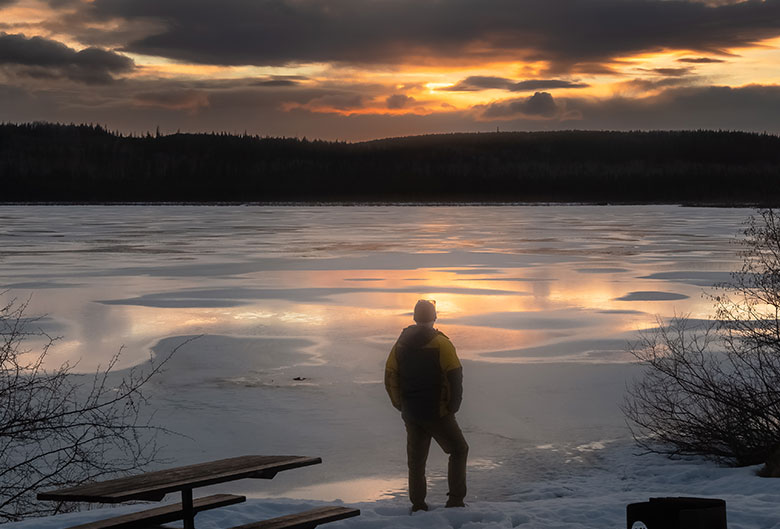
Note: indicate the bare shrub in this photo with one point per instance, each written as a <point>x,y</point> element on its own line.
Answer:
<point>713,388</point>
<point>58,428</point>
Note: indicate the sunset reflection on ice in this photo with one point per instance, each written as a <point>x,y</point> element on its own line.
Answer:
<point>509,281</point>
<point>288,313</point>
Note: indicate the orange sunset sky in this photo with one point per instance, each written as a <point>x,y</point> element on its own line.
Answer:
<point>363,69</point>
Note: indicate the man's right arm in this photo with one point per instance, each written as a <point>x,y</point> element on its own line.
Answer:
<point>392,380</point>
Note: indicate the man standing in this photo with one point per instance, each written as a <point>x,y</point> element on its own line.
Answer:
<point>424,379</point>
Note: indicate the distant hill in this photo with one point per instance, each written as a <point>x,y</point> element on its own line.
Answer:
<point>82,163</point>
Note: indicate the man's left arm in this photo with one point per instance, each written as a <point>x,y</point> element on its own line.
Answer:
<point>455,378</point>
<point>450,365</point>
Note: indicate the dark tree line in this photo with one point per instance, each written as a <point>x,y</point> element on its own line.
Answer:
<point>85,163</point>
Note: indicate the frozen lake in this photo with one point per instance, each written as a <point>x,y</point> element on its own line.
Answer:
<point>541,302</point>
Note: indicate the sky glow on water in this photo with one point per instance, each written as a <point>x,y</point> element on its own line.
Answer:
<point>298,307</point>
<point>512,284</point>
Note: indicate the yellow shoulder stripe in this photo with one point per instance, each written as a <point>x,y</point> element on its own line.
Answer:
<point>448,358</point>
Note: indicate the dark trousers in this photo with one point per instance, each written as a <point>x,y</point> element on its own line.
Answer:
<point>447,434</point>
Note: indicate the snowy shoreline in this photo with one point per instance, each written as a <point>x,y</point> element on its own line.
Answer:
<point>595,499</point>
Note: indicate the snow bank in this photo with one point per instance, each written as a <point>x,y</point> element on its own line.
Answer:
<point>595,499</point>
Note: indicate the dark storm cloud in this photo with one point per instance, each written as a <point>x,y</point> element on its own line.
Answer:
<point>564,32</point>
<point>48,59</point>
<point>62,3</point>
<point>345,101</point>
<point>480,82</point>
<point>543,84</point>
<point>211,98</point>
<point>190,100</point>
<point>476,83</point>
<point>397,101</point>
<point>275,82</point>
<point>700,60</point>
<point>658,82</point>
<point>539,105</point>
<point>671,72</point>
<point>752,108</point>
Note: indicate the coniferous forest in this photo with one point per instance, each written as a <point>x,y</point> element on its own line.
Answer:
<point>43,162</point>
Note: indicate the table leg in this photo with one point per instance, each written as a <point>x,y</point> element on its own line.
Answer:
<point>188,511</point>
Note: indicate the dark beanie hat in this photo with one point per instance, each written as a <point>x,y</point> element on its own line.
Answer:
<point>425,311</point>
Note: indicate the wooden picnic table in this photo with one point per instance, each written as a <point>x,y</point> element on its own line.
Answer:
<point>153,486</point>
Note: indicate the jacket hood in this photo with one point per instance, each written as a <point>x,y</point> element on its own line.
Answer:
<point>417,336</point>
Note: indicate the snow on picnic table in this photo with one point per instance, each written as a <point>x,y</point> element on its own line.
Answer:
<point>595,499</point>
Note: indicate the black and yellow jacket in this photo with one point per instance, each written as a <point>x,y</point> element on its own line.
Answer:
<point>423,375</point>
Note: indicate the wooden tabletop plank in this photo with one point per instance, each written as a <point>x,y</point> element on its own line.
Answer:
<point>175,479</point>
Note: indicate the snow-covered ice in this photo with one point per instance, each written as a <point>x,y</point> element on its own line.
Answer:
<point>298,307</point>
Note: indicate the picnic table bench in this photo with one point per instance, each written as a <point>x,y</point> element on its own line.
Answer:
<point>153,486</point>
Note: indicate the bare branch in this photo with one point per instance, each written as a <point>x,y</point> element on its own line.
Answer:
<point>715,390</point>
<point>58,428</point>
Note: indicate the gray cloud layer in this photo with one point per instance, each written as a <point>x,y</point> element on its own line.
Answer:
<point>46,59</point>
<point>206,106</point>
<point>700,60</point>
<point>475,83</point>
<point>565,32</point>
<point>539,105</point>
<point>573,35</point>
<point>755,108</point>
